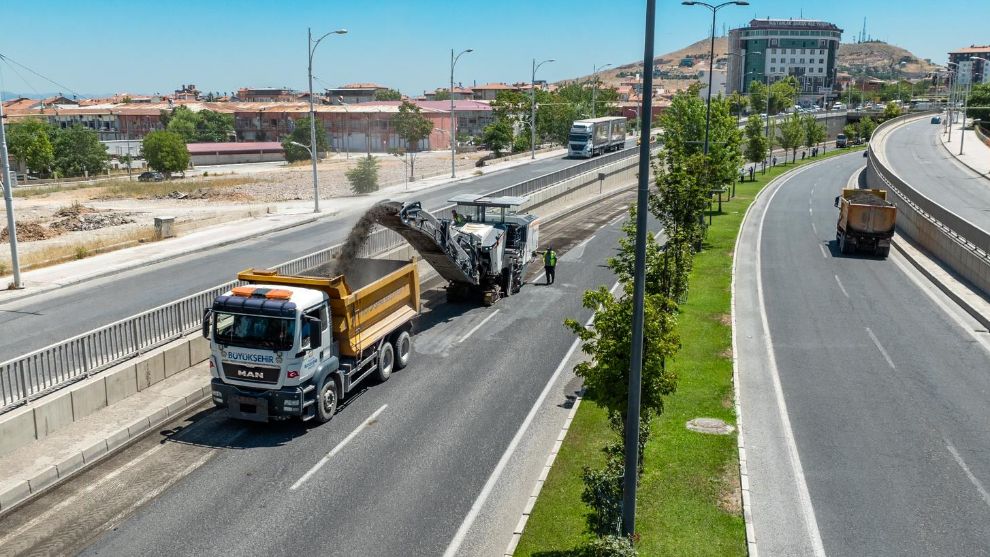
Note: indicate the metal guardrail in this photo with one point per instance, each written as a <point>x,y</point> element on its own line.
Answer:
<point>960,229</point>
<point>47,369</point>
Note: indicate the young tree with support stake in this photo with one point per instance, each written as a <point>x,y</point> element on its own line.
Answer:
<point>413,127</point>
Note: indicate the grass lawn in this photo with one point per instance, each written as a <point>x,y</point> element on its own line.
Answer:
<point>689,502</point>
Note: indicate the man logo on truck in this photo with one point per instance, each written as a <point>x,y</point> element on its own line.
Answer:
<point>247,374</point>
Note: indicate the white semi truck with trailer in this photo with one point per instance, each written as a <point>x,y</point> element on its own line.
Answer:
<point>589,138</point>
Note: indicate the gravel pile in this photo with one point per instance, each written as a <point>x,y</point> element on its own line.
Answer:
<point>29,232</point>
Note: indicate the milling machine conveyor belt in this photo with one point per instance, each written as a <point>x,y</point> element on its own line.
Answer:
<point>431,237</point>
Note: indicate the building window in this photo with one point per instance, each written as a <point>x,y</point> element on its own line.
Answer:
<point>792,51</point>
<point>802,51</point>
<point>773,69</point>
<point>792,61</point>
<point>821,60</point>
<point>821,52</point>
<point>802,61</point>
<point>773,60</point>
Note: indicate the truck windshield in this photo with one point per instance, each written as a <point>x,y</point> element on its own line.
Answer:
<point>254,331</point>
<point>578,137</point>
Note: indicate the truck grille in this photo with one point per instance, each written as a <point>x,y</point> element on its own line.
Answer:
<point>247,373</point>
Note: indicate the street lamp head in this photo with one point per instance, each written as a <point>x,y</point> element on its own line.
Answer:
<point>689,2</point>
<point>340,32</point>
<point>741,3</point>
<point>469,50</point>
<point>552,60</point>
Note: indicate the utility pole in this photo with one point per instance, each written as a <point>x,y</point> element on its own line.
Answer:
<point>532,107</point>
<point>631,474</point>
<point>311,49</point>
<point>8,199</point>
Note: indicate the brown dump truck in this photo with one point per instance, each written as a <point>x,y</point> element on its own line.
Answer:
<point>866,221</point>
<point>290,345</point>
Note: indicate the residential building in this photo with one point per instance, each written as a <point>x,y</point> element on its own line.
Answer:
<point>186,93</point>
<point>459,94</point>
<point>777,48</point>
<point>266,94</point>
<point>489,91</point>
<point>969,70</point>
<point>353,93</point>
<point>718,83</point>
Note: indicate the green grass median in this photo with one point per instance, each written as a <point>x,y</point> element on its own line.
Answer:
<point>689,501</point>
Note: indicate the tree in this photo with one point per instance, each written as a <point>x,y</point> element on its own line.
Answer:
<point>757,96</point>
<point>791,134</point>
<point>866,127</point>
<point>183,122</point>
<point>214,127</point>
<point>814,133</point>
<point>300,134</point>
<point>497,136</point>
<point>413,127</point>
<point>364,177</point>
<point>165,152</point>
<point>388,95</point>
<point>29,141</point>
<point>757,143</point>
<point>783,93</point>
<point>851,130</point>
<point>78,151</point>
<point>891,110</point>
<point>441,95</point>
<point>738,103</point>
<point>980,96</point>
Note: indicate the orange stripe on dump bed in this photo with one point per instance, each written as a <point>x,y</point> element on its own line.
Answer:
<point>243,291</point>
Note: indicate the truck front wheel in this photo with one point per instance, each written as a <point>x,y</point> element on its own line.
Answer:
<point>386,361</point>
<point>326,401</point>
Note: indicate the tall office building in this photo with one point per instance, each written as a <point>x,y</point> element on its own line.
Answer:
<point>776,48</point>
<point>971,71</point>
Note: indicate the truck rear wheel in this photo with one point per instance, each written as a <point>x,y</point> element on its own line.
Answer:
<point>843,245</point>
<point>883,252</point>
<point>386,361</point>
<point>403,349</point>
<point>326,401</point>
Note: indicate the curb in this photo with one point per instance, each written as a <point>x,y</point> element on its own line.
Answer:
<point>161,258</point>
<point>899,242</point>
<point>538,485</point>
<point>29,489</point>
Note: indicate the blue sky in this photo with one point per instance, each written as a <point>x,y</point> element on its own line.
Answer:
<point>103,46</point>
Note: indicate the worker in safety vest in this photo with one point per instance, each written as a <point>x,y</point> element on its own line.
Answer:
<point>550,263</point>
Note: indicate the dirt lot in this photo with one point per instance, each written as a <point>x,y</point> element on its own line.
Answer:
<point>58,223</point>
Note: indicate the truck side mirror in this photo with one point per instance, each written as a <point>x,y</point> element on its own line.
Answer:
<point>315,332</point>
<point>837,201</point>
<point>207,312</point>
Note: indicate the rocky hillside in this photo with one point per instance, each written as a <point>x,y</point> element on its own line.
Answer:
<point>870,58</point>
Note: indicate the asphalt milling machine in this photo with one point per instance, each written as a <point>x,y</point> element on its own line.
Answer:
<point>482,253</point>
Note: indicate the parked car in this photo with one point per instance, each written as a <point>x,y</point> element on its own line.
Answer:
<point>151,177</point>
<point>936,119</point>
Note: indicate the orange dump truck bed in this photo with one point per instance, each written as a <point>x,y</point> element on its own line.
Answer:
<point>384,296</point>
<point>866,221</point>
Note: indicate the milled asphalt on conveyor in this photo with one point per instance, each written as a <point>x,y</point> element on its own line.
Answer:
<point>914,152</point>
<point>403,485</point>
<point>886,393</point>
<point>39,321</point>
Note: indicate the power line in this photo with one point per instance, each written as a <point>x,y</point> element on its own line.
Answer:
<point>10,60</point>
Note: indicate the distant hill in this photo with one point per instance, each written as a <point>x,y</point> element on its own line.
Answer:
<point>874,59</point>
<point>879,59</point>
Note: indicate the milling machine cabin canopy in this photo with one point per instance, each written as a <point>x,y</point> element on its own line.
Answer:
<point>482,255</point>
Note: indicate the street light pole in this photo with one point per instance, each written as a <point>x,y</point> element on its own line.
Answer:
<point>8,199</point>
<point>594,86</point>
<point>532,108</point>
<point>453,117</point>
<point>311,48</point>
<point>631,474</point>
<point>347,128</point>
<point>953,85</point>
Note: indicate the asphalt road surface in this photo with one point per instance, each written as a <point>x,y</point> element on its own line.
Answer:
<point>914,152</point>
<point>38,321</point>
<point>420,448</point>
<point>865,408</point>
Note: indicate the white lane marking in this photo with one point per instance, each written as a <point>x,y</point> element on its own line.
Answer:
<point>340,446</point>
<point>814,229</point>
<point>478,326</point>
<point>824,253</point>
<point>810,212</point>
<point>804,496</point>
<point>973,479</point>
<point>539,277</point>
<point>842,288</point>
<point>876,342</point>
<point>616,220</point>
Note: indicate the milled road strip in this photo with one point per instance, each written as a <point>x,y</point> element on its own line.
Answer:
<point>802,486</point>
<point>323,461</point>
<point>478,326</point>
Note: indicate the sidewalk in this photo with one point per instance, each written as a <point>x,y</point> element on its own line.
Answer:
<point>975,155</point>
<point>287,215</point>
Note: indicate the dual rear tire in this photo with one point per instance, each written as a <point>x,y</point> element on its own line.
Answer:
<point>394,355</point>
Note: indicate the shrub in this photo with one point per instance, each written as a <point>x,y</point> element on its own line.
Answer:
<point>364,177</point>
